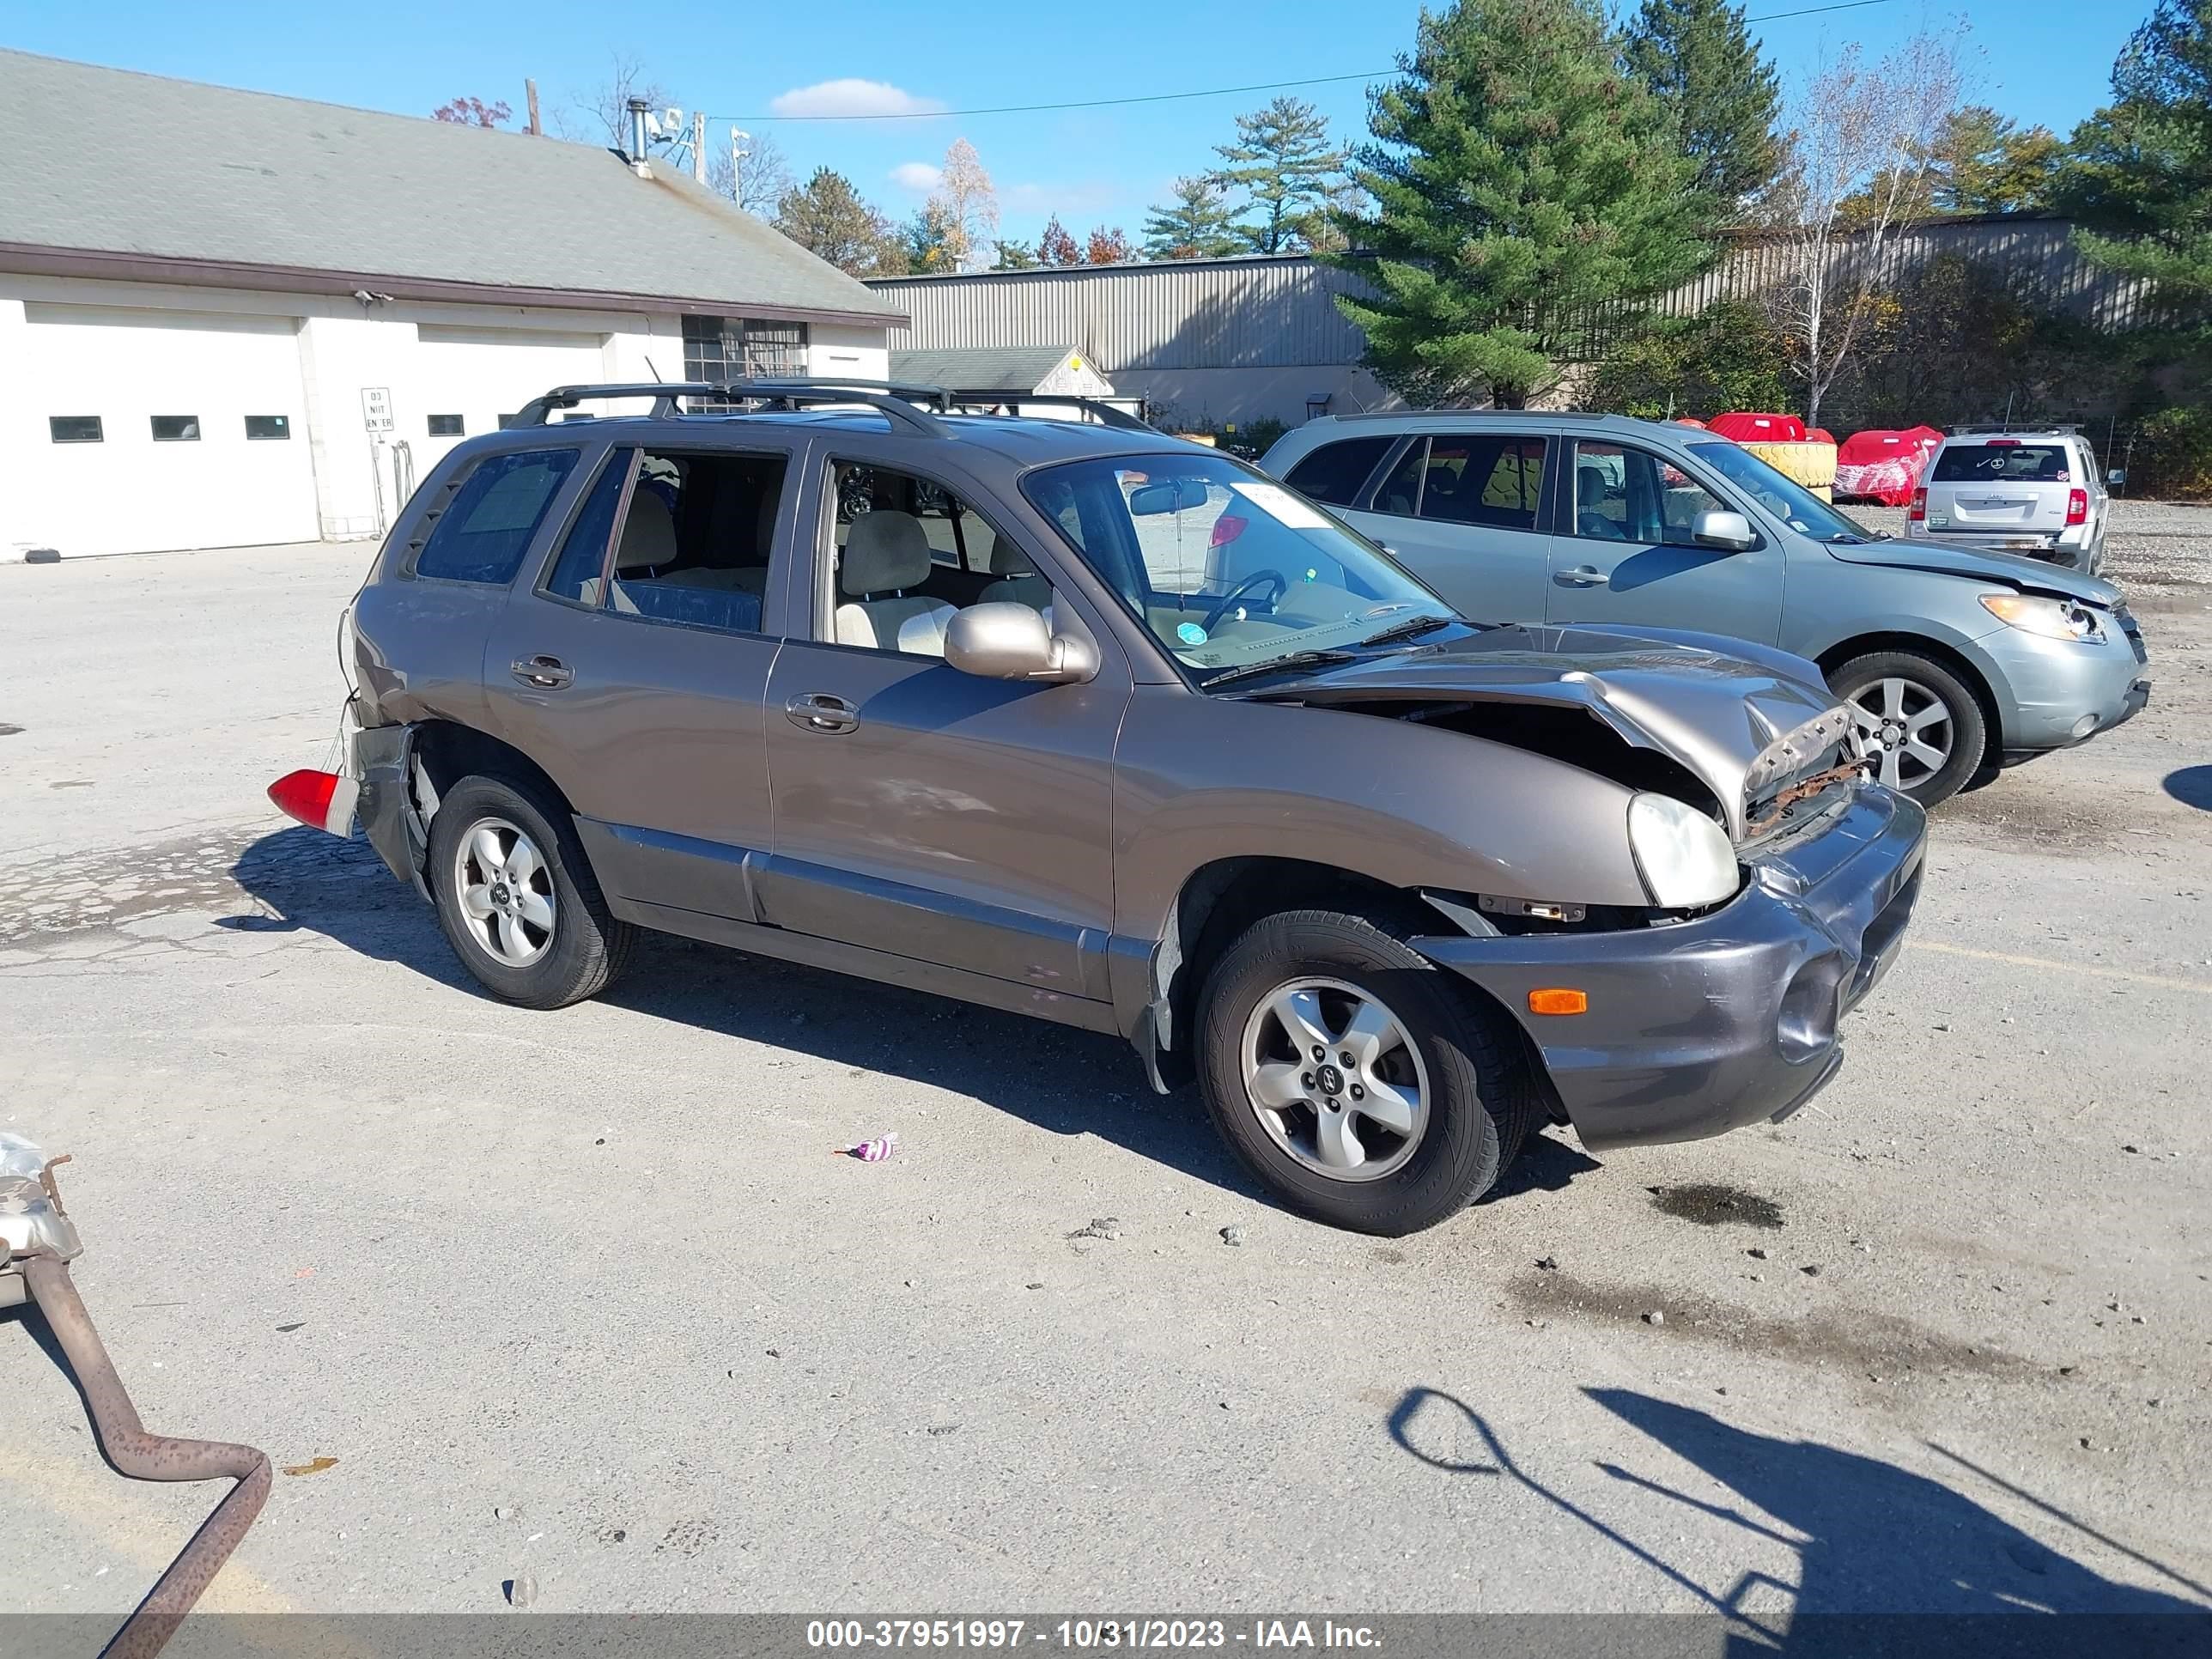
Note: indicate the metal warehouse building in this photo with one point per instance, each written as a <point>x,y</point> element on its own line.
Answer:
<point>230,318</point>
<point>1204,341</point>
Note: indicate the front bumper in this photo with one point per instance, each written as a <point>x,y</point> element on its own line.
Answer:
<point>2054,693</point>
<point>1732,1018</point>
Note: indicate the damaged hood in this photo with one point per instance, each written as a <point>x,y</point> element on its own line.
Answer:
<point>1739,716</point>
<point>2014,571</point>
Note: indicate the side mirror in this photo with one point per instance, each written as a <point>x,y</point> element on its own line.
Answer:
<point>1002,641</point>
<point>1729,530</point>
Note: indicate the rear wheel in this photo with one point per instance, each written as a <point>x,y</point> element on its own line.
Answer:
<point>1923,723</point>
<point>517,901</point>
<point>1355,1078</point>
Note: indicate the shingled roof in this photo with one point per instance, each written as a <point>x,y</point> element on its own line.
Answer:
<point>139,177</point>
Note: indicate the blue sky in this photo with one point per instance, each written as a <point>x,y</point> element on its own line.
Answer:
<point>2044,61</point>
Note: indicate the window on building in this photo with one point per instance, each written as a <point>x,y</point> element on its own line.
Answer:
<point>487,524</point>
<point>176,428</point>
<point>269,426</point>
<point>447,426</point>
<point>741,348</point>
<point>1334,472</point>
<point>74,428</point>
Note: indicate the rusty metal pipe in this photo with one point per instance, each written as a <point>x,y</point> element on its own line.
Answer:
<point>147,1456</point>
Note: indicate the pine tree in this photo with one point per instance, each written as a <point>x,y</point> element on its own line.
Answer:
<point>1196,226</point>
<point>1056,246</point>
<point>927,239</point>
<point>1014,256</point>
<point>1284,162</point>
<point>1699,60</point>
<point>828,218</point>
<point>2138,177</point>
<point>1521,180</point>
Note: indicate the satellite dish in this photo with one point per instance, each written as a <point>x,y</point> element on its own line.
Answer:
<point>675,117</point>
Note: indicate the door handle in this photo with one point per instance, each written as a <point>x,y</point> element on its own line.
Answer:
<point>1582,575</point>
<point>546,673</point>
<point>818,711</point>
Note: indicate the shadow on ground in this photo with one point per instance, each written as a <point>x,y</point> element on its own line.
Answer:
<point>2192,786</point>
<point>1888,1561</point>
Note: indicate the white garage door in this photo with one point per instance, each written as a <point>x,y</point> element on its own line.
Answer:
<point>466,378</point>
<point>164,429</point>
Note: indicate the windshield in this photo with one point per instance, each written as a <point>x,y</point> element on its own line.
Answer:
<point>1785,498</point>
<point>1227,569</point>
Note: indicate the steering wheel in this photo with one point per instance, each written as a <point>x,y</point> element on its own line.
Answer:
<point>1257,579</point>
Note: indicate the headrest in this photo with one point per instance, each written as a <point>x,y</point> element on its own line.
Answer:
<point>648,537</point>
<point>885,549</point>
<point>1589,482</point>
<point>1005,559</point>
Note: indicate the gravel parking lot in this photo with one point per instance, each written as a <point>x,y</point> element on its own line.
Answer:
<point>581,1299</point>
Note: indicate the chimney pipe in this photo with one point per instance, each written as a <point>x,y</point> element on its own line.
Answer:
<point>638,164</point>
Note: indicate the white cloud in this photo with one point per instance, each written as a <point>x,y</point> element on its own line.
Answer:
<point>852,96</point>
<point>919,177</point>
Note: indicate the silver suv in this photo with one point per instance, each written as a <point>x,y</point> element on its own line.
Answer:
<point>1954,659</point>
<point>2036,492</point>
<point>1084,722</point>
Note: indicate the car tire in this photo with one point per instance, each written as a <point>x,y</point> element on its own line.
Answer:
<point>1885,684</point>
<point>540,936</point>
<point>1476,1101</point>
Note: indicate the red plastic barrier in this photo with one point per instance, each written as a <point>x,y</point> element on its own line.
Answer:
<point>1742,427</point>
<point>1884,466</point>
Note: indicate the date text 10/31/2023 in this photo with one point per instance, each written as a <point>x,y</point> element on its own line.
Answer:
<point>1088,1634</point>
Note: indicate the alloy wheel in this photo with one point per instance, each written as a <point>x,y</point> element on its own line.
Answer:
<point>506,892</point>
<point>1906,726</point>
<point>1335,1080</point>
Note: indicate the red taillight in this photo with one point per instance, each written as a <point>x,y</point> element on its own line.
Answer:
<point>321,800</point>
<point>1226,529</point>
<point>1918,510</point>
<point>2077,506</point>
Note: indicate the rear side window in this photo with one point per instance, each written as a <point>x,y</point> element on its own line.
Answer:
<point>482,534</point>
<point>1483,481</point>
<point>1334,472</point>
<point>2002,463</point>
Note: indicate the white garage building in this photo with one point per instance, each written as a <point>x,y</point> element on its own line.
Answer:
<point>230,318</point>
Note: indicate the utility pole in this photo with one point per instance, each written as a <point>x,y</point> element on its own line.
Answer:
<point>529,94</point>
<point>699,145</point>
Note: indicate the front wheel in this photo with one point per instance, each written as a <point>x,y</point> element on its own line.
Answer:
<point>1923,726</point>
<point>517,900</point>
<point>1354,1078</point>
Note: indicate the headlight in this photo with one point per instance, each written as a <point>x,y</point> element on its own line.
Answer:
<point>2053,619</point>
<point>1685,857</point>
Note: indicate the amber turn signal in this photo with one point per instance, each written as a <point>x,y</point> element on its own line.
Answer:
<point>1556,1000</point>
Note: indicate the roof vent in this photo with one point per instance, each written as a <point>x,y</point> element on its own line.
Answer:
<point>640,114</point>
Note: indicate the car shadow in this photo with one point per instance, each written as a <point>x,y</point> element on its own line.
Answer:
<point>1880,1549</point>
<point>1067,1081</point>
<point>2192,786</point>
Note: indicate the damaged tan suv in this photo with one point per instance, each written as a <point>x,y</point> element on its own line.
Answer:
<point>1069,718</point>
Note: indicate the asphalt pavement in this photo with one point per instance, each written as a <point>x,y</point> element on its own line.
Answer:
<point>583,1299</point>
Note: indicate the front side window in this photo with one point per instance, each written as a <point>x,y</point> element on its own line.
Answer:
<point>483,531</point>
<point>1334,472</point>
<point>1224,566</point>
<point>694,540</point>
<point>1785,498</point>
<point>909,555</point>
<point>1623,495</point>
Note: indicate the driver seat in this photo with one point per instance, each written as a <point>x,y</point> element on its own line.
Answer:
<point>1589,489</point>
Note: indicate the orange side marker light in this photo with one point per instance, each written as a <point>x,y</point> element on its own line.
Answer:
<point>1558,1000</point>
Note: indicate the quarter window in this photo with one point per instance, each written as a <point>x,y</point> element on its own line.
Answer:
<point>1334,472</point>
<point>74,428</point>
<point>176,428</point>
<point>483,531</point>
<point>1624,494</point>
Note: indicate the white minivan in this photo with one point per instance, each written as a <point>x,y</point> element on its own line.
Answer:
<point>2038,492</point>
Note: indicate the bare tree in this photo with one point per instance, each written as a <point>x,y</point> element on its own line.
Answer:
<point>967,205</point>
<point>602,114</point>
<point>1856,167</point>
<point>467,111</point>
<point>752,171</point>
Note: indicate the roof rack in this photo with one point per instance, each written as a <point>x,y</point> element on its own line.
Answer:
<point>2022,426</point>
<point>894,402</point>
<point>1105,413</point>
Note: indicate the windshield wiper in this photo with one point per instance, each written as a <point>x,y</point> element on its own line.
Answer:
<point>1406,630</point>
<point>1296,660</point>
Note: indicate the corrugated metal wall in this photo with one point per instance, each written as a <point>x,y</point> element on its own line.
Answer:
<point>1279,312</point>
